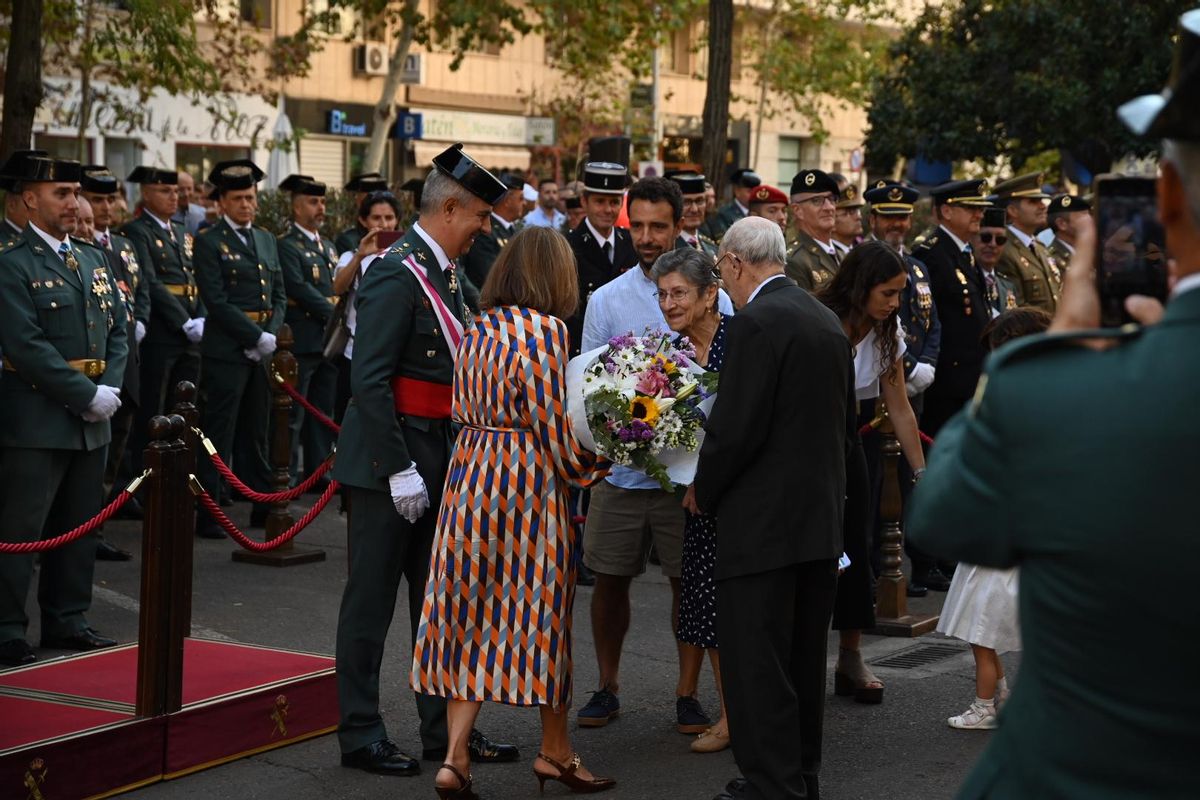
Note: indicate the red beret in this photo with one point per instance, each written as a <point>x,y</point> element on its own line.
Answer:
<point>767,194</point>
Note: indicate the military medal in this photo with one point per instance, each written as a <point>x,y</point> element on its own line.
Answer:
<point>187,245</point>
<point>72,262</point>
<point>452,280</point>
<point>316,274</point>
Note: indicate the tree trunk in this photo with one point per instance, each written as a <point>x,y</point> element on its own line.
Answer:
<point>385,109</point>
<point>716,98</point>
<point>22,76</point>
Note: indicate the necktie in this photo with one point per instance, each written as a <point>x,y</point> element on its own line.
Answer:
<point>694,242</point>
<point>171,233</point>
<point>65,253</point>
<point>992,292</point>
<point>608,251</point>
<point>104,241</point>
<point>248,237</point>
<point>837,256</point>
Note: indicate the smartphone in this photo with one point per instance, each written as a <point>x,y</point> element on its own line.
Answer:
<point>1131,247</point>
<point>385,239</point>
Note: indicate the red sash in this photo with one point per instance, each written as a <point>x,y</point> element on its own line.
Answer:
<point>422,398</point>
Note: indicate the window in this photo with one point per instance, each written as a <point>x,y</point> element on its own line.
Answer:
<point>675,54</point>
<point>256,12</point>
<point>334,20</point>
<point>66,147</point>
<point>796,154</point>
<point>199,159</point>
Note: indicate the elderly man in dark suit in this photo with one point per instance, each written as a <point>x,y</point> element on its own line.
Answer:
<point>775,477</point>
<point>1077,463</point>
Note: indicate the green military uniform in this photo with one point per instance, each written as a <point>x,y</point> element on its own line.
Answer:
<point>1061,252</point>
<point>698,242</point>
<point>308,266</point>
<point>1076,466</point>
<point>715,226</point>
<point>486,249</point>
<point>1000,292</point>
<point>809,264</point>
<point>63,332</point>
<point>241,284</point>
<point>9,234</point>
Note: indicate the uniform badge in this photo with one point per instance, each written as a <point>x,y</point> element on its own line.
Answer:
<point>316,273</point>
<point>962,278</point>
<point>187,245</point>
<point>158,243</point>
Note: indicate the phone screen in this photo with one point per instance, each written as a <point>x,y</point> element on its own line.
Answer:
<point>1131,245</point>
<point>385,239</point>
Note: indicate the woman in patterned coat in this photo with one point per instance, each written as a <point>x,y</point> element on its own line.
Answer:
<point>496,621</point>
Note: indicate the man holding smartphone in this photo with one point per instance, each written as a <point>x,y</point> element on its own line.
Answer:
<point>1076,453</point>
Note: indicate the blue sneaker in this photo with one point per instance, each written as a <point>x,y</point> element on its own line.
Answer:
<point>690,717</point>
<point>600,710</point>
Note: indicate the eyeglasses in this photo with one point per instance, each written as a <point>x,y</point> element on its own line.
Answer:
<point>698,202</point>
<point>675,295</point>
<point>986,238</point>
<point>716,271</point>
<point>818,201</point>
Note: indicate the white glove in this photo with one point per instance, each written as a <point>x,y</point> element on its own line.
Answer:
<point>104,404</point>
<point>253,355</point>
<point>193,329</point>
<point>920,379</point>
<point>266,344</point>
<point>408,494</point>
<point>139,331</point>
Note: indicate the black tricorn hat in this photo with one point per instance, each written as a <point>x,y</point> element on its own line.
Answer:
<point>470,174</point>
<point>49,170</point>
<point>745,178</point>
<point>512,180</point>
<point>366,182</point>
<point>689,182</point>
<point>98,179</point>
<point>230,176</point>
<point>572,201</point>
<point>1172,114</point>
<point>153,175</point>
<point>14,166</point>
<point>303,184</point>
<point>814,181</point>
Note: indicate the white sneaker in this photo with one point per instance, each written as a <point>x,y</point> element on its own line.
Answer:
<point>976,718</point>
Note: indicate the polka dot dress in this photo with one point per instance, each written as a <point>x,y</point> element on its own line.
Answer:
<point>698,601</point>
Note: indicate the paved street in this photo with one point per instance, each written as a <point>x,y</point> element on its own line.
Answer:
<point>902,749</point>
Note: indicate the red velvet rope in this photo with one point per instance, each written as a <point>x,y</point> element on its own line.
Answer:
<point>309,407</point>
<point>70,536</point>
<point>869,428</point>
<point>245,541</point>
<point>262,497</point>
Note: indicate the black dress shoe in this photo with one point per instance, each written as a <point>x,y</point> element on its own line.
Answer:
<point>16,653</point>
<point>936,581</point>
<point>258,517</point>
<point>734,790</point>
<point>382,757</point>
<point>481,748</point>
<point>131,510</point>
<point>107,551</point>
<point>86,639</point>
<point>915,589</point>
<point>207,527</point>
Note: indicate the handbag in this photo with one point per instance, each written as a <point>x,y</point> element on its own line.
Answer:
<point>337,333</point>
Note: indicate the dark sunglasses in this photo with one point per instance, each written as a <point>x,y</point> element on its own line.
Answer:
<point>986,238</point>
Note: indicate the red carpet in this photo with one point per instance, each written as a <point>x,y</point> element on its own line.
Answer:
<point>34,720</point>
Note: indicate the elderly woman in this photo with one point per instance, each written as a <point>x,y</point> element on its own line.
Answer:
<point>687,294</point>
<point>496,621</point>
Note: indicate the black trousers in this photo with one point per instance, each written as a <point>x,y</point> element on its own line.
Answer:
<point>163,367</point>
<point>854,607</point>
<point>236,417</point>
<point>773,628</point>
<point>316,380</point>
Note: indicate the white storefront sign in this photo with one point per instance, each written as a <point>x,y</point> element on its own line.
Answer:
<point>470,127</point>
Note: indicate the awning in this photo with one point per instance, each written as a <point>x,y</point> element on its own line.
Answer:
<point>493,156</point>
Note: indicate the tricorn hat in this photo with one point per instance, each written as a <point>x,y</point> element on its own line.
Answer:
<point>98,179</point>
<point>994,217</point>
<point>689,182</point>
<point>1172,114</point>
<point>14,167</point>
<point>48,170</point>
<point>470,174</point>
<point>153,175</point>
<point>366,182</point>
<point>230,176</point>
<point>303,184</point>
<point>745,178</point>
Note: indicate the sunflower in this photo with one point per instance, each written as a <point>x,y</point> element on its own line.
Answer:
<point>643,408</point>
<point>668,365</point>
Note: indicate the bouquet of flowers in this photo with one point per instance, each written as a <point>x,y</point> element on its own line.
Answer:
<point>641,401</point>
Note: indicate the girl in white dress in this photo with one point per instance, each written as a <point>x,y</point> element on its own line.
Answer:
<point>981,606</point>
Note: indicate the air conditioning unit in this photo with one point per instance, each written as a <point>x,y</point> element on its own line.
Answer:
<point>371,59</point>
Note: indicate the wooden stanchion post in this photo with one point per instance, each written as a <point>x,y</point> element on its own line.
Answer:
<point>891,606</point>
<point>282,367</point>
<point>185,531</point>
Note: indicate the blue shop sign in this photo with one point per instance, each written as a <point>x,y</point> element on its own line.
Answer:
<point>408,126</point>
<point>337,123</point>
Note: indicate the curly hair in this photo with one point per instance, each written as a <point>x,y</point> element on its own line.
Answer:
<point>868,265</point>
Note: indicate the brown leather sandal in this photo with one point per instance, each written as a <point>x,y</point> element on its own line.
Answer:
<point>463,790</point>
<point>567,777</point>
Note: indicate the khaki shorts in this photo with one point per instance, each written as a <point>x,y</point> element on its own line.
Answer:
<point>621,525</point>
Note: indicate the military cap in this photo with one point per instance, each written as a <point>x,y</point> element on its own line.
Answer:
<point>1065,203</point>
<point>850,197</point>
<point>890,198</point>
<point>574,202</point>
<point>511,180</point>
<point>745,178</point>
<point>154,175</point>
<point>814,181</point>
<point>366,182</point>
<point>1028,186</point>
<point>994,217</point>
<point>303,184</point>
<point>689,182</point>
<point>14,166</point>
<point>97,179</point>
<point>605,177</point>
<point>470,174</point>
<point>767,194</point>
<point>1172,114</point>
<point>972,194</point>
<point>230,176</point>
<point>47,170</point>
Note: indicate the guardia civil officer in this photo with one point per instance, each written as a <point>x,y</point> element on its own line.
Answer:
<point>602,250</point>
<point>742,182</point>
<point>63,327</point>
<point>362,185</point>
<point>241,283</point>
<point>1025,261</point>
<point>812,258</point>
<point>691,186</point>
<point>308,261</point>
<point>394,450</point>
<point>506,221</point>
<point>100,187</point>
<point>16,217</point>
<point>170,352</point>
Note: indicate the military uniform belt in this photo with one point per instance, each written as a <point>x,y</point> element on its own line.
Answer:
<point>91,367</point>
<point>259,316</point>
<point>182,290</point>
<point>333,301</point>
<point>422,398</point>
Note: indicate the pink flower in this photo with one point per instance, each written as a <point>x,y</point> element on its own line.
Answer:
<point>651,382</point>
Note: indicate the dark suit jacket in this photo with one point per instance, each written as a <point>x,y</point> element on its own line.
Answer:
<point>772,466</point>
<point>595,271</point>
<point>1078,466</point>
<point>123,261</point>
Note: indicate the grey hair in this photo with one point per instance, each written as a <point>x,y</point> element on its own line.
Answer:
<point>695,267</point>
<point>1185,156</point>
<point>755,240</point>
<point>440,187</point>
